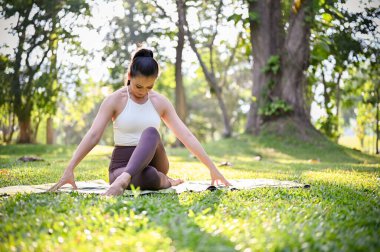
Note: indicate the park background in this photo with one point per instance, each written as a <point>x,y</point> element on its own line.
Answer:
<point>273,89</point>
<point>76,53</point>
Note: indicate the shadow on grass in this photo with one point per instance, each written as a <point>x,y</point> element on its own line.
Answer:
<point>167,212</point>
<point>274,167</point>
<point>271,146</point>
<point>35,149</point>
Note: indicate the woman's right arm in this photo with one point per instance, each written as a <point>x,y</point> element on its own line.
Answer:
<point>88,142</point>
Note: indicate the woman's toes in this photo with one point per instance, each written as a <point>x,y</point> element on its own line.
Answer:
<point>175,182</point>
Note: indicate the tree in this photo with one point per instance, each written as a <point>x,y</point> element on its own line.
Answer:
<point>8,118</point>
<point>53,83</point>
<point>281,55</point>
<point>336,48</point>
<point>180,97</point>
<point>342,52</point>
<point>139,24</point>
<point>34,29</point>
<point>281,51</point>
<point>361,98</point>
<point>371,96</point>
<point>77,110</point>
<point>215,76</point>
<point>180,94</point>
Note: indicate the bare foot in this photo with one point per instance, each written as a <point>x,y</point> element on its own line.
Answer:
<point>118,186</point>
<point>175,182</point>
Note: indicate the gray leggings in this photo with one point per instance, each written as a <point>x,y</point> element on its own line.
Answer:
<point>147,162</point>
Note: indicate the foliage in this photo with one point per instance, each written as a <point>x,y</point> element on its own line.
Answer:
<point>340,41</point>
<point>77,112</point>
<point>275,108</point>
<point>40,25</point>
<point>272,106</point>
<point>140,24</point>
<point>337,51</point>
<point>328,126</point>
<point>324,217</point>
<point>7,118</point>
<point>165,83</point>
<point>367,84</point>
<point>272,65</point>
<point>204,120</point>
<point>364,117</point>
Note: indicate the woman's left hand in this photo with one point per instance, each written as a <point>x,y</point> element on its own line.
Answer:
<point>217,178</point>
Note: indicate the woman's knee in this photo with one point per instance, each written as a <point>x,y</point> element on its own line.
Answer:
<point>151,131</point>
<point>151,134</point>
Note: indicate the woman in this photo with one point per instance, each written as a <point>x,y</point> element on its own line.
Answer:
<point>139,156</point>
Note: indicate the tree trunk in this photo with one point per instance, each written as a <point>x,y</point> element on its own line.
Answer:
<point>53,44</point>
<point>16,92</point>
<point>36,123</point>
<point>289,83</point>
<point>294,63</point>
<point>9,124</point>
<point>377,116</point>
<point>49,131</point>
<point>21,99</point>
<point>326,95</point>
<point>338,91</point>
<point>226,120</point>
<point>266,39</point>
<point>16,86</point>
<point>26,132</point>
<point>180,97</point>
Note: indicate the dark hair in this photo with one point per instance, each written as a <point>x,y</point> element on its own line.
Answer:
<point>143,64</point>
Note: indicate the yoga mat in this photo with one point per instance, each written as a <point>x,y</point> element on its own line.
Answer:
<point>100,186</point>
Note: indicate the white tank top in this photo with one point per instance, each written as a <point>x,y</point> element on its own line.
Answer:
<point>135,118</point>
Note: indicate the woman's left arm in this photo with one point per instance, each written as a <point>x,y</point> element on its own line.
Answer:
<point>180,130</point>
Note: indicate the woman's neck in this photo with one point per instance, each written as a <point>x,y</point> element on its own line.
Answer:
<point>141,100</point>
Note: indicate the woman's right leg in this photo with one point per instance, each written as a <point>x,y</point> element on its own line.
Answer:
<point>148,179</point>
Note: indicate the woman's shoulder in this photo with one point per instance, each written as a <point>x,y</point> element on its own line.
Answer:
<point>160,102</point>
<point>158,98</point>
<point>116,97</point>
<point>120,93</point>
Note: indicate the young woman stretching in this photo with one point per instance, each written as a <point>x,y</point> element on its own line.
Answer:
<point>139,157</point>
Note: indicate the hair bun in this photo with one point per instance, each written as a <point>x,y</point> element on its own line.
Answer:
<point>143,53</point>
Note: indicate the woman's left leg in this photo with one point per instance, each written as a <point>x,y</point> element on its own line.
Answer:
<point>160,159</point>
<point>148,152</point>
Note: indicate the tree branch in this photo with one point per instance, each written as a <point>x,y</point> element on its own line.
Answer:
<point>211,44</point>
<point>164,14</point>
<point>209,76</point>
<point>229,62</point>
<point>31,74</point>
<point>29,51</point>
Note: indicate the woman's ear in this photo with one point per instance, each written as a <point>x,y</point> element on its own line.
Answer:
<point>127,78</point>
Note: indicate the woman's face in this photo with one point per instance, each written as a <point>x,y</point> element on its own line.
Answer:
<point>141,85</point>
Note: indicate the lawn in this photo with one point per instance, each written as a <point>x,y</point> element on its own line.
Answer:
<point>340,212</point>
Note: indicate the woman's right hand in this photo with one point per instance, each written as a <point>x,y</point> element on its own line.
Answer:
<point>67,178</point>
<point>217,177</point>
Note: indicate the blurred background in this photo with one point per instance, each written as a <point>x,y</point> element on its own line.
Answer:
<point>229,66</point>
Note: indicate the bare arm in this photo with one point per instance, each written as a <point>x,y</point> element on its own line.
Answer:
<point>88,142</point>
<point>94,134</point>
<point>174,123</point>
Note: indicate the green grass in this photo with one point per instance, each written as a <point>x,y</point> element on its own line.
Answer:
<point>340,212</point>
<point>353,142</point>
